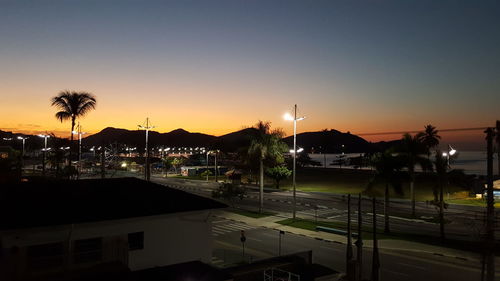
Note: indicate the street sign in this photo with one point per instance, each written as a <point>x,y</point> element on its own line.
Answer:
<point>243,238</point>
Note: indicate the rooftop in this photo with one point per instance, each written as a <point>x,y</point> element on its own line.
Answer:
<point>51,202</point>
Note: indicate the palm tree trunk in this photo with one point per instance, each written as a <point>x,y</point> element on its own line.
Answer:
<point>261,194</point>
<point>386,209</point>
<point>412,193</point>
<point>498,157</point>
<point>441,211</point>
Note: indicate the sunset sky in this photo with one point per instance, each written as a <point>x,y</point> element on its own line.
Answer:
<point>217,66</point>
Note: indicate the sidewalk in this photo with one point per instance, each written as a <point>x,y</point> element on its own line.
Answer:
<point>384,244</point>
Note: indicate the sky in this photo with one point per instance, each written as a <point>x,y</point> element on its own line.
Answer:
<point>218,66</point>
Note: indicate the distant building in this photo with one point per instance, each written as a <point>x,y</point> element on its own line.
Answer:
<point>189,171</point>
<point>64,226</point>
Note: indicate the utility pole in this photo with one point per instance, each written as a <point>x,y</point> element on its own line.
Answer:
<point>359,242</point>
<point>147,127</point>
<point>103,162</point>
<point>294,160</point>
<point>498,146</point>
<point>349,238</point>
<point>207,165</point>
<point>490,209</point>
<point>375,259</point>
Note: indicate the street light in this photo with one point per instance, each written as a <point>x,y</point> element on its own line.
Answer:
<point>147,126</point>
<point>214,152</point>
<point>44,152</point>
<point>294,118</point>
<point>79,133</point>
<point>451,152</point>
<point>24,141</point>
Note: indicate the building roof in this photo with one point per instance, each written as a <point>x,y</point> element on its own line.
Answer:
<point>50,202</point>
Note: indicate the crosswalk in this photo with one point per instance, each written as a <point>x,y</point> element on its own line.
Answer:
<point>216,261</point>
<point>329,213</point>
<point>224,226</point>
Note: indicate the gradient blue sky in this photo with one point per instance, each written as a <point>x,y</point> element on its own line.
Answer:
<point>215,66</point>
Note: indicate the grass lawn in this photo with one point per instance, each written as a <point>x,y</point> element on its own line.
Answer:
<point>348,181</point>
<point>252,214</point>
<point>210,178</point>
<point>471,202</point>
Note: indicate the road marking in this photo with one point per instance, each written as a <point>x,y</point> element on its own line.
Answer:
<point>330,248</point>
<point>395,272</point>
<point>414,266</point>
<point>254,239</point>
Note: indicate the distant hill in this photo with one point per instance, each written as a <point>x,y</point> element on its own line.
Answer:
<point>331,141</point>
<point>177,138</point>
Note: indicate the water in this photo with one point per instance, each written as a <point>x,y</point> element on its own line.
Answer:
<point>472,162</point>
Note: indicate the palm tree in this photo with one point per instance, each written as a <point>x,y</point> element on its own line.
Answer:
<point>266,145</point>
<point>498,146</point>
<point>73,105</point>
<point>411,150</point>
<point>441,165</point>
<point>387,171</point>
<point>429,137</point>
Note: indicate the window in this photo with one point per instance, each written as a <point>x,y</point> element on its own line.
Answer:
<point>136,241</point>
<point>88,250</point>
<point>45,255</point>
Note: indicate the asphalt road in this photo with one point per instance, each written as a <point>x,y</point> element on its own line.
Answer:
<point>465,222</point>
<point>264,243</point>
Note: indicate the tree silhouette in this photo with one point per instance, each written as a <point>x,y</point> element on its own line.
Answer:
<point>411,150</point>
<point>429,138</point>
<point>266,145</point>
<point>388,172</point>
<point>73,105</point>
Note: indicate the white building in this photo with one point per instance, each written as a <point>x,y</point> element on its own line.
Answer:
<point>54,227</point>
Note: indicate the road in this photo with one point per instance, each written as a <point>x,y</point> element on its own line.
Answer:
<point>263,243</point>
<point>465,222</point>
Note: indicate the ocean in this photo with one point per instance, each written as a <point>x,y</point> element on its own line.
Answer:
<point>472,162</point>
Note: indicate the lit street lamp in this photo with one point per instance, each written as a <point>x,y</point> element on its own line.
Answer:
<point>44,152</point>
<point>214,152</point>
<point>451,152</point>
<point>79,133</point>
<point>24,141</point>
<point>147,126</point>
<point>294,119</point>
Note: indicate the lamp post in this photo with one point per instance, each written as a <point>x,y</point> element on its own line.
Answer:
<point>447,154</point>
<point>451,152</point>
<point>146,126</point>
<point>207,164</point>
<point>79,133</point>
<point>24,141</point>
<point>22,155</point>
<point>214,152</point>
<point>44,151</point>
<point>294,119</point>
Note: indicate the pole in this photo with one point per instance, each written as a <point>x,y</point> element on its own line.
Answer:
<point>146,168</point>
<point>490,209</point>
<point>375,259</point>
<point>279,247</point>
<point>207,167</point>
<point>44,155</point>
<point>359,242</point>
<point>103,158</point>
<point>215,166</point>
<point>294,159</point>
<point>349,236</point>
